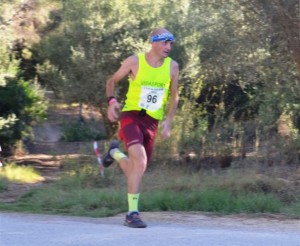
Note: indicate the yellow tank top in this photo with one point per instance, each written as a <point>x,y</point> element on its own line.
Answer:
<point>150,88</point>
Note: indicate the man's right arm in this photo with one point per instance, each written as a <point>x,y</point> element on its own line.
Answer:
<point>125,69</point>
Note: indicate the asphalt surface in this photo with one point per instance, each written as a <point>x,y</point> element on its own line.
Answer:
<point>174,229</point>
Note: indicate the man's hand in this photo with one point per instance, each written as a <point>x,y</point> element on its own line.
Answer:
<point>165,129</point>
<point>113,111</point>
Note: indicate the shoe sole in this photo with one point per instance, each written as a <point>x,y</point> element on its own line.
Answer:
<point>107,163</point>
<point>134,226</point>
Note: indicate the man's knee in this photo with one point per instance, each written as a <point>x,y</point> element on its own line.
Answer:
<point>137,154</point>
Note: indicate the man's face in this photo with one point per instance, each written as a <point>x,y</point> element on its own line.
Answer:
<point>163,48</point>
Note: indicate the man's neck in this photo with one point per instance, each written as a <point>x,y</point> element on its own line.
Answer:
<point>154,60</point>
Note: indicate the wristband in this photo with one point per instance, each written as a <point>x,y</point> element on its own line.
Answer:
<point>111,100</point>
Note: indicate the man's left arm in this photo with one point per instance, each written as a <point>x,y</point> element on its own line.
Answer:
<point>174,98</point>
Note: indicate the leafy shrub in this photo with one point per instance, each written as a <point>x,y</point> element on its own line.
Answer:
<point>80,131</point>
<point>21,104</point>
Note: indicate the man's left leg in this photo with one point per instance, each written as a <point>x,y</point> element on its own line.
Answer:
<point>134,167</point>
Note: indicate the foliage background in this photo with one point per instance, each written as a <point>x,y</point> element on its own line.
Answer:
<point>239,62</point>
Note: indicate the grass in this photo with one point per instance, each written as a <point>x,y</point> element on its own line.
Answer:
<point>232,191</point>
<point>18,174</point>
<point>3,183</point>
<point>82,191</point>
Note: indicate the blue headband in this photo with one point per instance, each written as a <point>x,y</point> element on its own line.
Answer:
<point>162,37</point>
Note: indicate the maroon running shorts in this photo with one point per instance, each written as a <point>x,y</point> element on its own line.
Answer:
<point>135,128</point>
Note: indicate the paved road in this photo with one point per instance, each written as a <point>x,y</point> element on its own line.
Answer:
<point>173,229</point>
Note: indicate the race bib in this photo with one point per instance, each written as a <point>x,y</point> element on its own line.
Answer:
<point>151,98</point>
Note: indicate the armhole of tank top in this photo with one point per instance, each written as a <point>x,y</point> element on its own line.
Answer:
<point>131,77</point>
<point>170,68</point>
<point>140,57</point>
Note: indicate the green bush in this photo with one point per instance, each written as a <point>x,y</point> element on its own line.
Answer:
<point>21,104</point>
<point>80,131</point>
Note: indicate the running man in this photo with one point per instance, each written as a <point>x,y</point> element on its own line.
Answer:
<point>153,76</point>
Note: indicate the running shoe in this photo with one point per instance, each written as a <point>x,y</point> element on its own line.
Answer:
<point>107,158</point>
<point>133,220</point>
